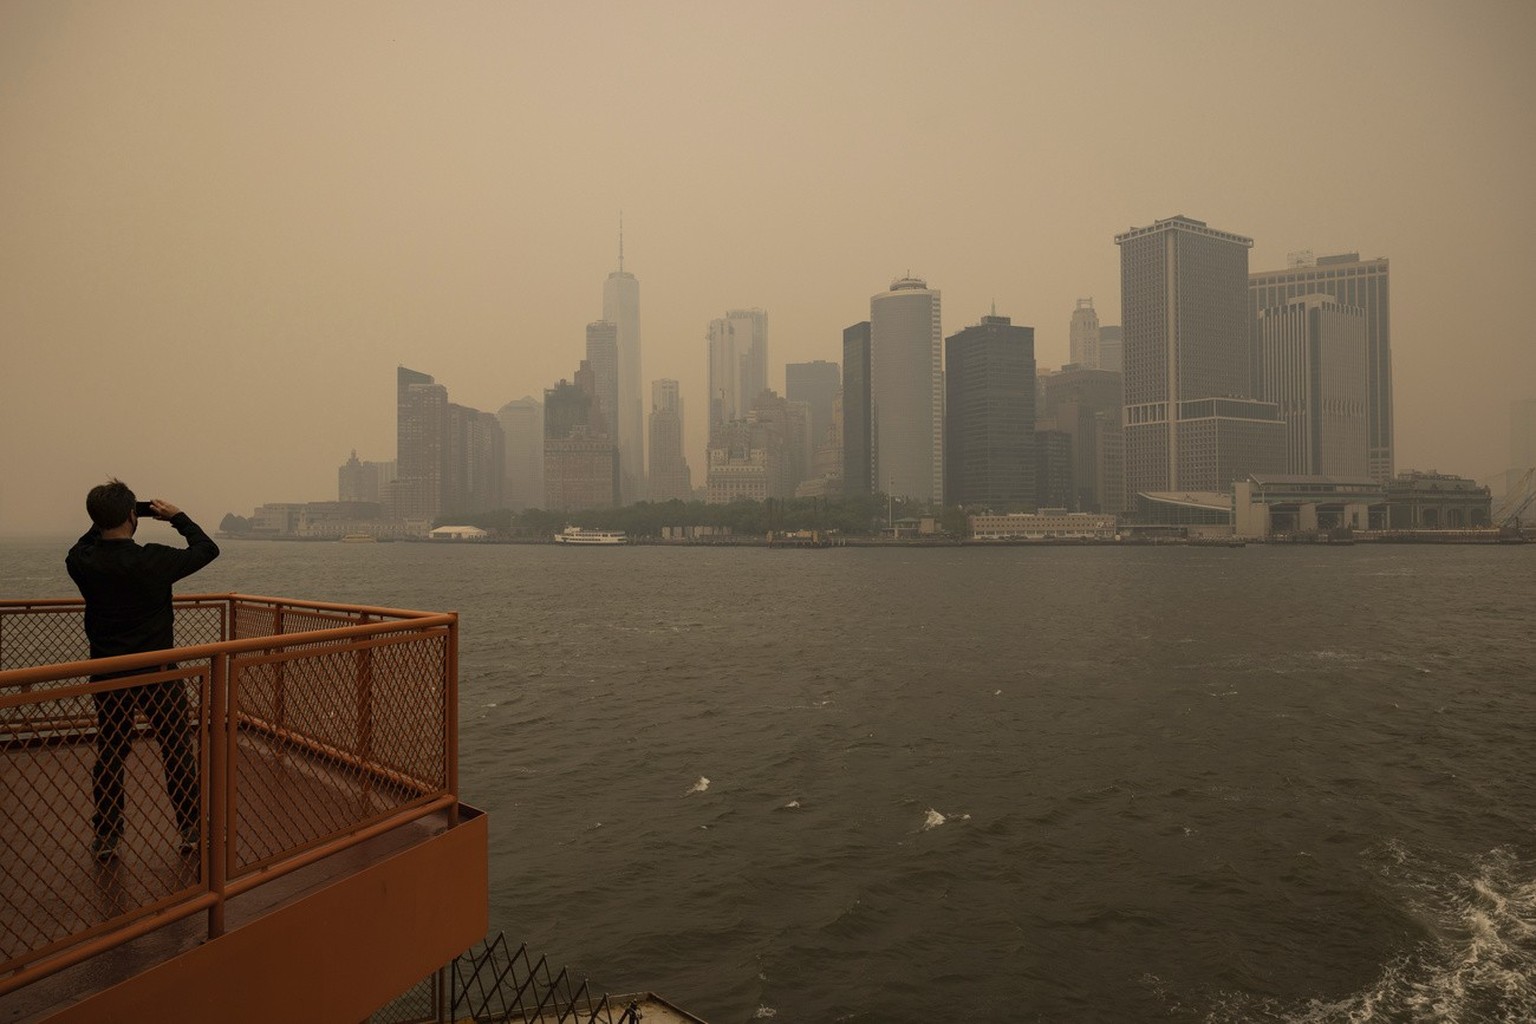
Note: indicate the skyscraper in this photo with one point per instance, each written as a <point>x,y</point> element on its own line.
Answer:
<point>989,428</point>
<point>472,462</point>
<point>603,357</point>
<point>522,428</point>
<point>581,465</point>
<point>738,363</point>
<point>1353,282</point>
<point>858,417</point>
<point>907,389</point>
<point>1111,348</point>
<point>815,384</point>
<point>670,478</point>
<point>1311,362</point>
<point>1084,404</point>
<point>621,307</point>
<point>1191,423</point>
<point>421,427</point>
<point>1084,334</point>
<point>358,480</point>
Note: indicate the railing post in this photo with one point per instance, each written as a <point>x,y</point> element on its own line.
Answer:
<point>217,791</point>
<point>365,711</point>
<point>451,716</point>
<point>279,674</point>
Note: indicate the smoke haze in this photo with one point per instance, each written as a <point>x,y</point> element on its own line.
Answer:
<point>222,225</point>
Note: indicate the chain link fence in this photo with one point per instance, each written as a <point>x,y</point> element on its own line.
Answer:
<point>494,984</point>
<point>156,785</point>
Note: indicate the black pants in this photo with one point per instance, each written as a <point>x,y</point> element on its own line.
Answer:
<point>165,707</point>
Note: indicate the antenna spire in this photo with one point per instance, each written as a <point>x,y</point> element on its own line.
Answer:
<point>621,241</point>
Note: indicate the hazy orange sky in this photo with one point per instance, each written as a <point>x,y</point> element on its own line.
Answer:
<point>222,225</point>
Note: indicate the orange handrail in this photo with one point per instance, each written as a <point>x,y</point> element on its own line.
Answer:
<point>371,716</point>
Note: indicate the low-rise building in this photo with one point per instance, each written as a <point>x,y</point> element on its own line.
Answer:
<point>452,533</point>
<point>1265,505</point>
<point>1437,501</point>
<point>1047,524</point>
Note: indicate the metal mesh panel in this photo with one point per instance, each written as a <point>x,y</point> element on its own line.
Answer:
<point>417,1005</point>
<point>492,984</point>
<point>42,636</point>
<point>250,620</point>
<point>199,623</point>
<point>101,820</point>
<point>105,784</point>
<point>301,620</point>
<point>332,737</point>
<point>54,635</point>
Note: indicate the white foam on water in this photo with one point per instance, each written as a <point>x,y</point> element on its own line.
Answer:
<point>764,1012</point>
<point>1480,966</point>
<point>700,786</point>
<point>933,819</point>
<point>793,805</point>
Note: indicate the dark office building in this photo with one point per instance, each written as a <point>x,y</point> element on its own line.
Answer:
<point>858,413</point>
<point>989,419</point>
<point>816,385</point>
<point>1055,474</point>
<point>1085,404</point>
<point>1191,422</point>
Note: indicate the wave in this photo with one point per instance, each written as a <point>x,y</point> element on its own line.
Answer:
<point>1479,966</point>
<point>933,819</point>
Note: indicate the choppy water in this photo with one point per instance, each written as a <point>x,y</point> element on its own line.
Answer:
<point>1182,784</point>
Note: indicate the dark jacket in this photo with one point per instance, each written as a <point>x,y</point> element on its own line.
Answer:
<point>127,587</point>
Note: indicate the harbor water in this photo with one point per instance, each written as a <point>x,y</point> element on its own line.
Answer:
<point>1053,784</point>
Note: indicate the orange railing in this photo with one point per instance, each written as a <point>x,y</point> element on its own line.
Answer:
<point>314,727</point>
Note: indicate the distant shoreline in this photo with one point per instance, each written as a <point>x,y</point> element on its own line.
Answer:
<point>1438,538</point>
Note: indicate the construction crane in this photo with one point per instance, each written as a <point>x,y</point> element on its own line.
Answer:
<point>1519,499</point>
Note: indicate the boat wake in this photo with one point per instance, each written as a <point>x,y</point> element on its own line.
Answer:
<point>1479,966</point>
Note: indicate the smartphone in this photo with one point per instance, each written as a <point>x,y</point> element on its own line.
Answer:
<point>142,510</point>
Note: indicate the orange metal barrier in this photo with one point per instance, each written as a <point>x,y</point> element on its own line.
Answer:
<point>276,733</point>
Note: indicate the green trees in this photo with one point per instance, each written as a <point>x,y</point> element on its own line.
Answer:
<point>854,516</point>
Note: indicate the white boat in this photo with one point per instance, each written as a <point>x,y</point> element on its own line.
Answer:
<point>580,535</point>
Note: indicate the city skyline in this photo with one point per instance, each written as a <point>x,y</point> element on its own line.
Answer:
<point>235,268</point>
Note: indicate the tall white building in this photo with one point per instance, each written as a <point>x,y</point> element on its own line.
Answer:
<point>1311,362</point>
<point>907,390</point>
<point>621,307</point>
<point>738,364</point>
<point>1365,284</point>
<point>1085,335</point>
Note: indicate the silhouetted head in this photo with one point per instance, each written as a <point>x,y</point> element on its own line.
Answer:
<point>110,504</point>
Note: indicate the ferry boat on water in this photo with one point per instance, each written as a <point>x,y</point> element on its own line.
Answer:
<point>581,535</point>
